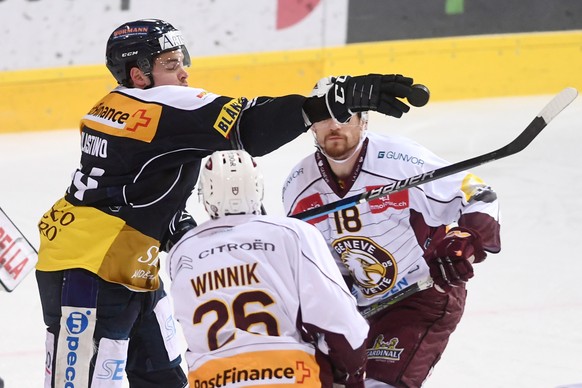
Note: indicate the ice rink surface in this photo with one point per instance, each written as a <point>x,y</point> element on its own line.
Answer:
<point>522,326</point>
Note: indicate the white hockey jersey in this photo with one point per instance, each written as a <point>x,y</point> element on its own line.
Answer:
<point>380,243</point>
<point>258,298</point>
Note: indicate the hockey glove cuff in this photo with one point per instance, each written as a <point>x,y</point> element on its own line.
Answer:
<point>450,258</point>
<point>181,223</point>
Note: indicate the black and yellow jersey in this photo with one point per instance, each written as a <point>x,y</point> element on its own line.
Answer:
<point>141,151</point>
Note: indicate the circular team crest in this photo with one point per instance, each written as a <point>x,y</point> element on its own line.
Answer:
<point>371,266</point>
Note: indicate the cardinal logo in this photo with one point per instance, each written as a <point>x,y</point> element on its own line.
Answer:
<point>386,350</point>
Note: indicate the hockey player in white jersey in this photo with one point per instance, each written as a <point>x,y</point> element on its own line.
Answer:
<point>259,298</point>
<point>390,247</point>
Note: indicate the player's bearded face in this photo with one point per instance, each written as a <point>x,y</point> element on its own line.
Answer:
<point>338,141</point>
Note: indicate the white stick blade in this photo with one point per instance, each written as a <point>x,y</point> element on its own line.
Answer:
<point>17,257</point>
<point>558,103</point>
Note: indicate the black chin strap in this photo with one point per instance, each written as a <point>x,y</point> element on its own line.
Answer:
<point>146,67</point>
<point>151,85</point>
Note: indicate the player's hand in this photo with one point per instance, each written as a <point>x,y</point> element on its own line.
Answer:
<point>450,258</point>
<point>377,92</point>
<point>181,223</point>
<point>340,97</point>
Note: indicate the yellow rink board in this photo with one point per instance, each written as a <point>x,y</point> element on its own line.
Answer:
<point>452,68</point>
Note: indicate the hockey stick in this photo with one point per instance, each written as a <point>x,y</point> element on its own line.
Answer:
<point>551,110</point>
<point>17,255</point>
<point>547,114</point>
<point>368,311</point>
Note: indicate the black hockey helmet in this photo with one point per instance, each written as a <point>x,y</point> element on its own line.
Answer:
<point>136,44</point>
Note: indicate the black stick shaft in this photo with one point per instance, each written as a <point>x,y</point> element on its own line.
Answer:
<point>555,106</point>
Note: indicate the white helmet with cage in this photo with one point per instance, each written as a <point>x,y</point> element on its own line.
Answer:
<point>231,183</point>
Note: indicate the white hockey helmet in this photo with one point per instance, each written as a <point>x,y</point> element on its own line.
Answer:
<point>231,183</point>
<point>322,87</point>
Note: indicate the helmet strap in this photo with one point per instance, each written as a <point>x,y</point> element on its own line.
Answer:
<point>151,85</point>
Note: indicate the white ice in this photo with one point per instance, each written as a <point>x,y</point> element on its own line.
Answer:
<point>523,321</point>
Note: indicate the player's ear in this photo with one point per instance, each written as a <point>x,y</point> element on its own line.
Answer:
<point>138,78</point>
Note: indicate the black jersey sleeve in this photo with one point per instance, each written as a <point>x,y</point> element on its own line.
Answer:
<point>269,123</point>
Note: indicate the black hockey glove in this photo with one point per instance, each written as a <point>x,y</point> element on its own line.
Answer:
<point>348,95</point>
<point>181,223</point>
